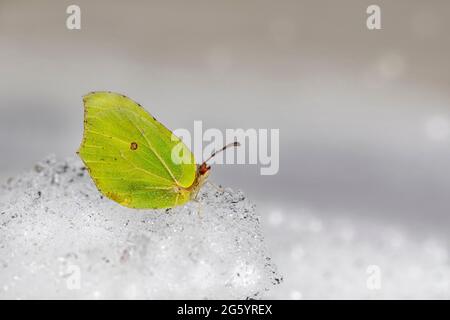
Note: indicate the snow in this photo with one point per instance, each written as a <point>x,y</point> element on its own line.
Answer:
<point>325,257</point>
<point>59,238</point>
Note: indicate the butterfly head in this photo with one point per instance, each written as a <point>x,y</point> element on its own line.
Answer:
<point>203,169</point>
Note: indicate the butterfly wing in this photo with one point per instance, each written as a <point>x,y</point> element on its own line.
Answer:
<point>129,154</point>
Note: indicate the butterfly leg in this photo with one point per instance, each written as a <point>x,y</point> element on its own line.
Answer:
<point>200,206</point>
<point>220,189</point>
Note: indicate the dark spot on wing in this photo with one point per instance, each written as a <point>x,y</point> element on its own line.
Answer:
<point>133,146</point>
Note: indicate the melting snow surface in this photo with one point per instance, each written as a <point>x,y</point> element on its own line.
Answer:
<point>59,238</point>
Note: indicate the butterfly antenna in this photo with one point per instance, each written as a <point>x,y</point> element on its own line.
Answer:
<point>233,144</point>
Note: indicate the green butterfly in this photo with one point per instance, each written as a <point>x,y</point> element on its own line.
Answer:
<point>128,154</point>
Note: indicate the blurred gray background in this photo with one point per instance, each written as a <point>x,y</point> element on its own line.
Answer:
<point>364,116</point>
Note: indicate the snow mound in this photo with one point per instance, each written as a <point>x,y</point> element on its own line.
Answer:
<point>59,238</point>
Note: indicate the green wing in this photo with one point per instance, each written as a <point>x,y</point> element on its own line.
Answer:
<point>128,154</point>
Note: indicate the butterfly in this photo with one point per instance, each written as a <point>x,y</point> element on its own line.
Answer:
<point>129,155</point>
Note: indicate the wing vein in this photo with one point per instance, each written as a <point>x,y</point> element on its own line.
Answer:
<point>176,199</point>
<point>150,147</point>
<point>143,170</point>
<point>153,150</point>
